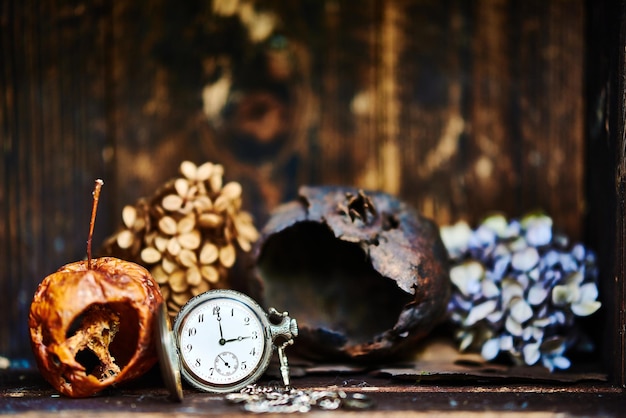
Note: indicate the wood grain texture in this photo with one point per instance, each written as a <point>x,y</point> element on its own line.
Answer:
<point>54,139</point>
<point>552,128</point>
<point>459,108</point>
<point>26,395</point>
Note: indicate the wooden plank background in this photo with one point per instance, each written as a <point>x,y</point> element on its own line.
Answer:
<point>460,108</point>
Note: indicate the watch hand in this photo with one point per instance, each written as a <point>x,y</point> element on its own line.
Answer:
<point>235,339</point>
<point>219,323</point>
<point>225,362</point>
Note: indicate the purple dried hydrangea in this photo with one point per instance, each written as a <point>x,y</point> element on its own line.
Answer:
<point>517,289</point>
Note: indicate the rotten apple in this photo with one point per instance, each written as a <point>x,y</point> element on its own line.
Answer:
<point>91,322</point>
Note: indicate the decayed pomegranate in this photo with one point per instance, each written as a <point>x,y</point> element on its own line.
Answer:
<point>365,274</point>
<point>91,322</point>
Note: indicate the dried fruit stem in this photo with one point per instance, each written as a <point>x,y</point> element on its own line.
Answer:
<point>94,208</point>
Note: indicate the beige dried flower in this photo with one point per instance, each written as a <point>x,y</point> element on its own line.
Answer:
<point>188,233</point>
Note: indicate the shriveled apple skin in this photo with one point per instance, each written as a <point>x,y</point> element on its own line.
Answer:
<point>107,311</point>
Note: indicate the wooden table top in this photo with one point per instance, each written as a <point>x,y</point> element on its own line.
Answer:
<point>24,393</point>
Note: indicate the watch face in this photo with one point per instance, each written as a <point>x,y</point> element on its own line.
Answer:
<point>222,340</point>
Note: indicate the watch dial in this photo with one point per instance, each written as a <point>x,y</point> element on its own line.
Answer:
<point>221,341</point>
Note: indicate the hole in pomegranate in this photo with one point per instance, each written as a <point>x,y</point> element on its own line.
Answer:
<point>328,284</point>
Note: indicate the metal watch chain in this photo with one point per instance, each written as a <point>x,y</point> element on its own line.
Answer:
<point>285,399</point>
<point>276,399</point>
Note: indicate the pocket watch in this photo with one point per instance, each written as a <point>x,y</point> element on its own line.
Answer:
<point>222,340</point>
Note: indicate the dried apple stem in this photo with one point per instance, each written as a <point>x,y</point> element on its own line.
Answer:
<point>94,209</point>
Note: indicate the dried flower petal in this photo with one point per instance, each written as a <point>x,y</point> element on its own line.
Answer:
<point>456,237</point>
<point>480,312</point>
<point>490,349</point>
<point>495,316</point>
<point>227,256</point>
<point>466,341</point>
<point>160,243</point>
<point>194,278</point>
<point>216,178</point>
<point>187,258</point>
<point>542,322</point>
<point>231,191</point>
<point>564,294</point>
<point>159,275</point>
<point>210,274</point>
<point>168,225</point>
<point>210,220</point>
<point>243,243</point>
<point>466,277</point>
<point>585,308</point>
<point>538,230</point>
<point>189,170</point>
<point>575,279</point>
<point>560,362</point>
<point>173,247</point>
<point>588,292</point>
<point>203,204</point>
<point>537,294</point>
<point>245,228</point>
<point>190,240</point>
<point>511,289</point>
<point>506,342</point>
<point>186,224</point>
<point>209,253</point>
<point>514,327</point>
<point>169,265</point>
<point>129,216</point>
<point>525,260</point>
<point>531,353</point>
<point>521,310</point>
<point>204,171</point>
<point>483,237</point>
<point>125,239</point>
<point>172,202</point>
<point>490,289</point>
<point>178,281</point>
<point>150,255</point>
<point>221,204</point>
<point>498,224</point>
<point>181,186</point>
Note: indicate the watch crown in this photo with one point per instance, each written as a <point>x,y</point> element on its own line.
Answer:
<point>286,328</point>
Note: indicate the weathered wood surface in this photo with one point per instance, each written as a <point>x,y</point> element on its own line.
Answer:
<point>458,107</point>
<point>26,395</point>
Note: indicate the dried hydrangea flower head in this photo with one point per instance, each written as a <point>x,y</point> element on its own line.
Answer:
<point>188,233</point>
<point>517,289</point>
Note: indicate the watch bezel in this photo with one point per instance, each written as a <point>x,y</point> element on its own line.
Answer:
<point>268,347</point>
<point>168,354</point>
